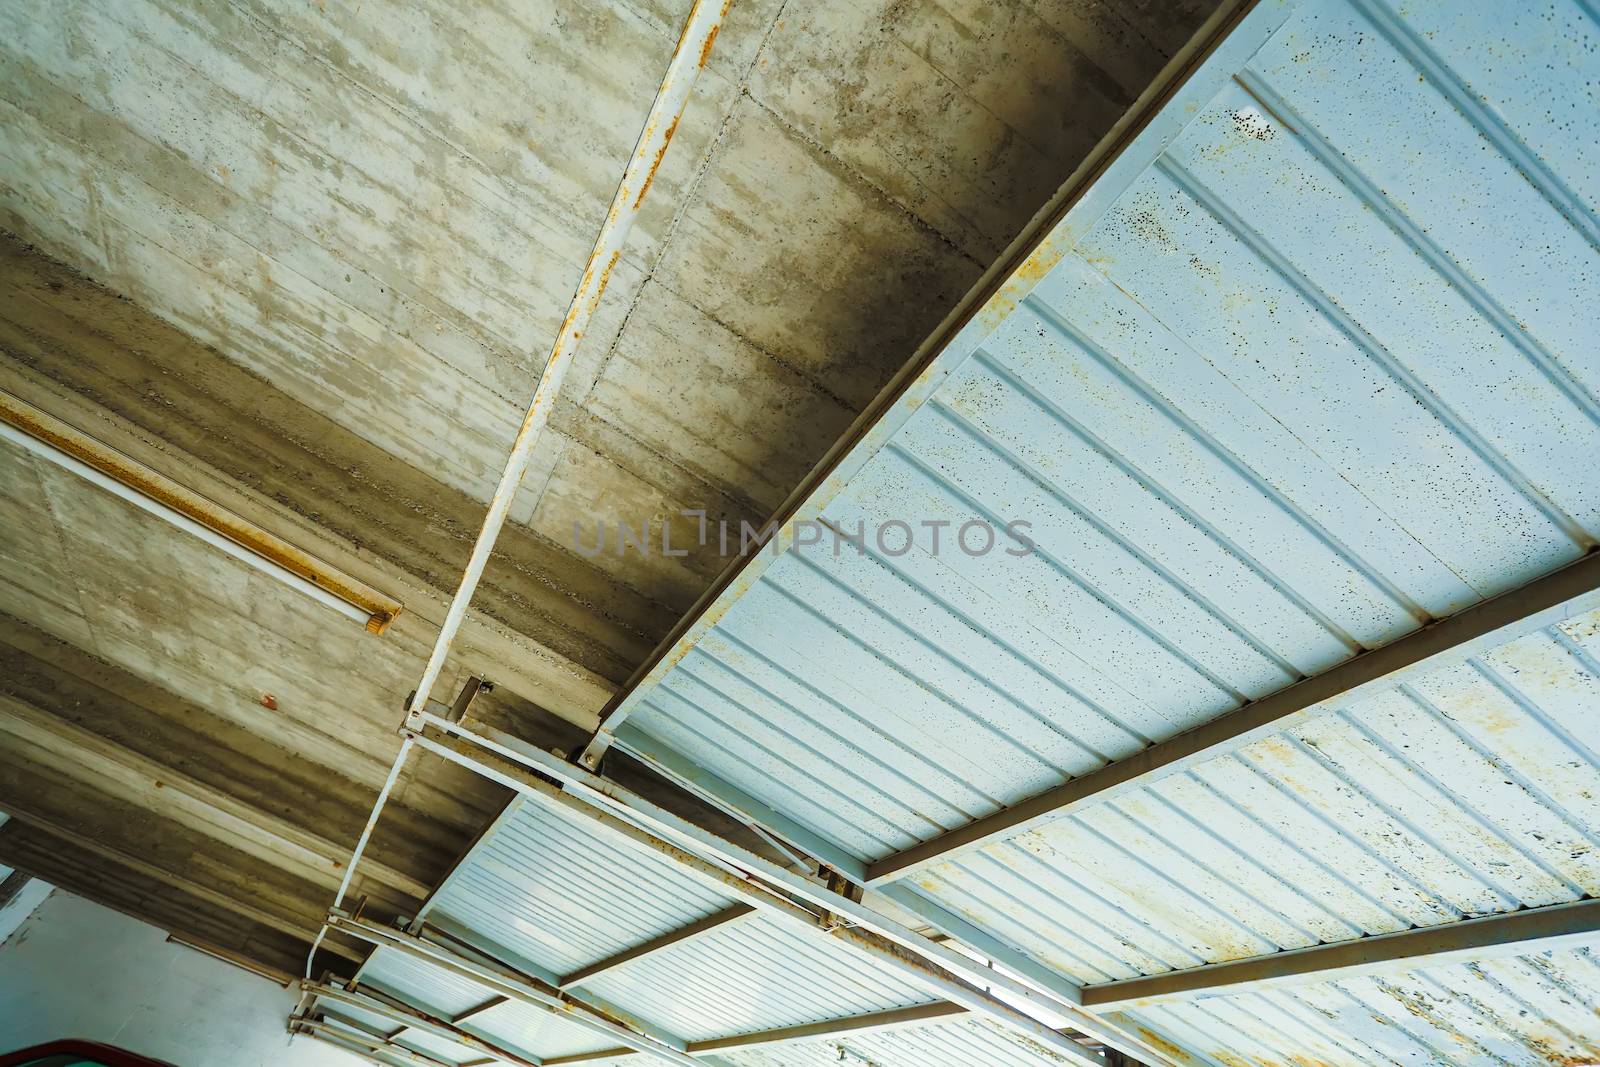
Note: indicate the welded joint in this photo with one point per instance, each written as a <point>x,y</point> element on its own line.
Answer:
<point>456,711</point>
<point>411,725</point>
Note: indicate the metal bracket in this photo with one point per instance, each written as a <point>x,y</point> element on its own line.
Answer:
<point>456,711</point>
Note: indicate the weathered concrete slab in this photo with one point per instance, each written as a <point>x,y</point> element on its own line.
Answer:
<point>347,234</point>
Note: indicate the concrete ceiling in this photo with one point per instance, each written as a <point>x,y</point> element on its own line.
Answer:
<point>307,259</point>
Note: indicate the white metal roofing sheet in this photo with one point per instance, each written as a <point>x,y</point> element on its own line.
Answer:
<point>963,1043</point>
<point>1535,1010</point>
<point>1280,400</point>
<point>1311,365</point>
<point>1472,790</point>
<point>1318,373</point>
<point>544,887</point>
<point>756,974</point>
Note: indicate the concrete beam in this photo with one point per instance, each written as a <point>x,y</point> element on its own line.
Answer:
<point>269,915</point>
<point>132,893</point>
<point>1516,933</point>
<point>83,755</point>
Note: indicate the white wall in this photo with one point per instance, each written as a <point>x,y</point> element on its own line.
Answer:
<point>19,907</point>
<point>75,969</point>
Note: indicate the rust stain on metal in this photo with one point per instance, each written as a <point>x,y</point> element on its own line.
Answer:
<point>672,128</point>
<point>605,278</point>
<point>1162,1045</point>
<point>190,504</point>
<point>705,51</point>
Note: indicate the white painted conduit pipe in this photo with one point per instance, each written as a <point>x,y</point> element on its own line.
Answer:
<point>694,47</point>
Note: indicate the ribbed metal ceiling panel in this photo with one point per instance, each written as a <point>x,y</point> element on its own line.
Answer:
<point>1310,366</point>
<point>1470,791</point>
<point>757,974</point>
<point>1526,1011</point>
<point>1287,395</point>
<point>542,887</point>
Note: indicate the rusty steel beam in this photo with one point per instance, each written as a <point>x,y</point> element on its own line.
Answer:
<point>49,438</point>
<point>694,49</point>
<point>688,59</point>
<point>634,953</point>
<point>1570,591</point>
<point>1514,933</point>
<point>371,1047</point>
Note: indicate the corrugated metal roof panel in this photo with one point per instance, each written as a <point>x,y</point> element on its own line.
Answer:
<point>512,1025</point>
<point>1469,791</point>
<point>1525,1011</point>
<point>756,974</point>
<point>436,991</point>
<point>1312,365</point>
<point>1287,395</point>
<point>516,1025</point>
<point>952,1044</point>
<point>545,888</point>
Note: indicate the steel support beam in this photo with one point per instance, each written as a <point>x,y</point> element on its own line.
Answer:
<point>1542,602</point>
<point>12,885</point>
<point>514,985</point>
<point>476,1009</point>
<point>948,973</point>
<point>1036,974</point>
<point>374,1048</point>
<point>87,757</point>
<point>688,932</point>
<point>414,1018</point>
<point>1513,934</point>
<point>895,1018</point>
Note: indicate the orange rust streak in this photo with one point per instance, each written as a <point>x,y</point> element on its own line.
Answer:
<point>1162,1045</point>
<point>158,487</point>
<point>660,154</point>
<point>705,51</point>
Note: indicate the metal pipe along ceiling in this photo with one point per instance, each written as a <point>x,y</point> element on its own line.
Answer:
<point>693,50</point>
